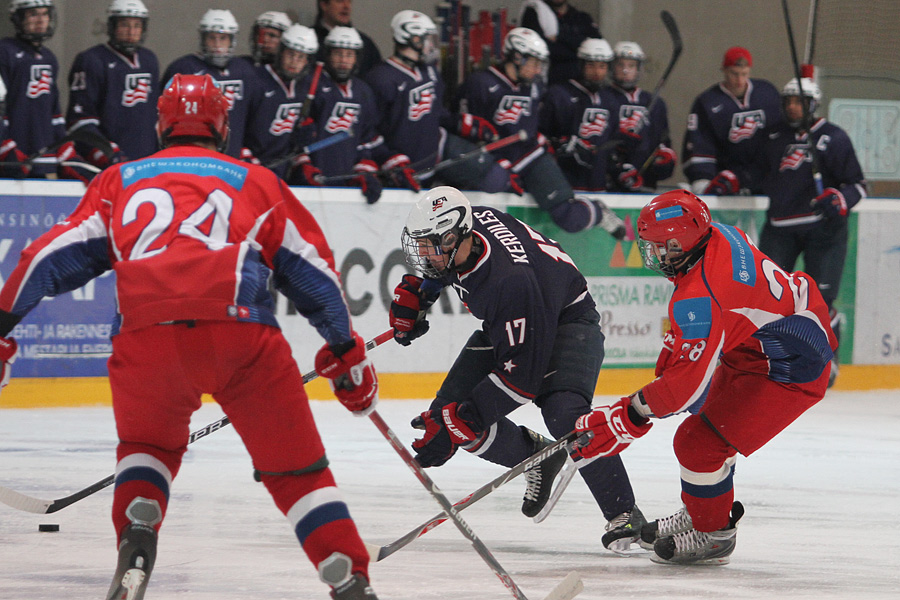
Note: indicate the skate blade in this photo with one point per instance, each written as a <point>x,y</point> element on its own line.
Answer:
<point>131,586</point>
<point>627,548</point>
<point>706,562</point>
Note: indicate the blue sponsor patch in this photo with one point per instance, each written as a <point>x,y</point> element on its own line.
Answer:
<point>694,317</point>
<point>670,212</point>
<point>743,265</point>
<point>232,174</point>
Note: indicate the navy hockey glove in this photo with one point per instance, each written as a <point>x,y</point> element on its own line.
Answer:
<point>401,173</point>
<point>515,182</point>
<point>445,429</point>
<point>101,160</point>
<point>367,180</point>
<point>612,427</point>
<point>9,152</point>
<point>8,350</point>
<point>629,179</point>
<point>830,203</point>
<point>725,183</point>
<point>247,156</point>
<point>351,374</point>
<point>407,316</point>
<point>476,129</point>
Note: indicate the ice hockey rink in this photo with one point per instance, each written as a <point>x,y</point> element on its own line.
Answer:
<point>821,520</point>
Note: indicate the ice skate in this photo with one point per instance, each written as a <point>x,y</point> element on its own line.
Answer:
<point>137,551</point>
<point>345,585</point>
<point>609,221</point>
<point>665,527</point>
<point>357,588</point>
<point>539,480</point>
<point>694,547</point>
<point>623,530</point>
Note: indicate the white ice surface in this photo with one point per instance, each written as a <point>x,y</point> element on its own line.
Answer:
<point>822,504</point>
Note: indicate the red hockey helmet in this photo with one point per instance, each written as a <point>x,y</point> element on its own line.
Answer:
<point>673,229</point>
<point>192,106</point>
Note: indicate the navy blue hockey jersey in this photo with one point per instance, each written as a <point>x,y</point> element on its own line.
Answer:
<point>642,133</point>
<point>571,110</point>
<point>508,106</point>
<point>115,96</point>
<point>32,98</point>
<point>410,105</point>
<point>523,286</point>
<point>239,84</point>
<point>724,132</point>
<point>788,166</point>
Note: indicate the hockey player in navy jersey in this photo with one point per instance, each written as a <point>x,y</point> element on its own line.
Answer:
<point>343,103</point>
<point>283,87</point>
<point>113,88</point>
<point>31,71</point>
<point>726,129</point>
<point>265,37</point>
<point>418,129</point>
<point>579,118</point>
<point>12,160</point>
<point>800,220</point>
<point>540,342</point>
<point>509,96</point>
<point>218,38</point>
<point>643,134</point>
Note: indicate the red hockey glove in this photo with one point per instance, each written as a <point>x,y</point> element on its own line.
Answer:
<point>351,375</point>
<point>629,178</point>
<point>367,180</point>
<point>400,173</point>
<point>476,129</point>
<point>665,156</point>
<point>8,350</point>
<point>725,183</point>
<point>830,203</point>
<point>310,173</point>
<point>66,152</point>
<point>99,158</point>
<point>9,152</point>
<point>515,182</point>
<point>410,299</point>
<point>247,156</point>
<point>445,428</point>
<point>612,427</point>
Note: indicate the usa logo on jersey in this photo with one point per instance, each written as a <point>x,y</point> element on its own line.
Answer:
<point>233,90</point>
<point>137,88</point>
<point>41,80</point>
<point>511,109</point>
<point>421,100</point>
<point>745,124</point>
<point>342,118</point>
<point>631,117</point>
<point>285,118</point>
<point>794,156</point>
<point>593,122</point>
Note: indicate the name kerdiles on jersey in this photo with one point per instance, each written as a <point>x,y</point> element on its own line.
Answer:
<point>503,235</point>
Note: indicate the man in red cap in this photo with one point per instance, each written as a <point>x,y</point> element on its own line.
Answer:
<point>725,129</point>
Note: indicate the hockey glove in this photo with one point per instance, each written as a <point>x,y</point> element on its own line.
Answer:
<point>401,173</point>
<point>407,315</point>
<point>830,203</point>
<point>9,152</point>
<point>612,427</point>
<point>99,158</point>
<point>515,182</point>
<point>665,157</point>
<point>367,180</point>
<point>445,429</point>
<point>725,183</point>
<point>351,375</point>
<point>581,150</point>
<point>476,129</point>
<point>8,350</point>
<point>629,179</point>
<point>308,171</point>
<point>247,156</point>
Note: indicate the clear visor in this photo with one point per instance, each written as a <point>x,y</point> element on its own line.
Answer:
<point>430,52</point>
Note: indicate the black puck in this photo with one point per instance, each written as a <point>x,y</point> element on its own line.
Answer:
<point>48,527</point>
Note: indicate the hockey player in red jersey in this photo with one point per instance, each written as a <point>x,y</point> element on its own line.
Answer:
<point>749,350</point>
<point>193,237</point>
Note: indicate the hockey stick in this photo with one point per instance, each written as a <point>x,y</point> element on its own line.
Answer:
<point>340,136</point>
<point>25,503</point>
<point>817,175</point>
<point>677,46</point>
<point>568,588</point>
<point>378,553</point>
<point>311,94</point>
<point>519,136</point>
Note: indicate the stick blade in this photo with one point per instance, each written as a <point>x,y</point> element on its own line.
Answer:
<point>24,503</point>
<point>568,588</point>
<point>669,22</point>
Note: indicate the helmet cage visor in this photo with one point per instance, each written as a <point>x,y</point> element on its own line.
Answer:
<point>431,255</point>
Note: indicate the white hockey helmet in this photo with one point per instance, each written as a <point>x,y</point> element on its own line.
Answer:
<point>274,19</point>
<point>436,226</point>
<point>526,42</point>
<point>17,12</point>
<point>810,89</point>
<point>271,19</point>
<point>343,37</point>
<point>218,21</point>
<point>630,50</point>
<point>595,50</point>
<point>121,9</point>
<point>300,38</point>
<point>415,30</point>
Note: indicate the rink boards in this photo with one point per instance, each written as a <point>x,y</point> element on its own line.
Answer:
<point>64,340</point>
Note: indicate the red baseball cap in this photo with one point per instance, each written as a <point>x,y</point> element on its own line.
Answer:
<point>735,54</point>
